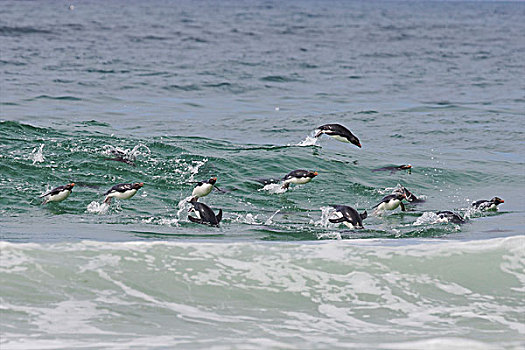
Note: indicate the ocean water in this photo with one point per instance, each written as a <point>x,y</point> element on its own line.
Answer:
<point>235,89</point>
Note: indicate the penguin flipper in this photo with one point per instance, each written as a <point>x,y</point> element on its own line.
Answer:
<point>363,215</point>
<point>219,216</point>
<point>402,206</point>
<point>319,133</point>
<point>192,219</point>
<point>285,186</point>
<point>337,221</point>
<point>218,189</point>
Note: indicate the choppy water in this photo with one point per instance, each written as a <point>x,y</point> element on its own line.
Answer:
<point>234,90</point>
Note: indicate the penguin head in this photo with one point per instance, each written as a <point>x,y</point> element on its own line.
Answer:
<point>405,166</point>
<point>70,186</point>
<point>312,174</point>
<point>212,181</point>
<point>137,185</point>
<point>354,140</point>
<point>401,196</point>
<point>497,200</point>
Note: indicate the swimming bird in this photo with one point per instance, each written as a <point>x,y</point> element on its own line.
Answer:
<point>391,202</point>
<point>393,169</point>
<point>484,204</point>
<point>205,215</point>
<point>122,191</point>
<point>448,216</point>
<point>58,194</point>
<point>409,196</point>
<point>203,188</point>
<point>338,132</point>
<point>122,157</point>
<point>298,177</point>
<point>348,216</point>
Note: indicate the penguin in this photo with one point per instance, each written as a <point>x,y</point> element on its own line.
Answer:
<point>348,216</point>
<point>203,188</point>
<point>298,177</point>
<point>391,202</point>
<point>448,216</point>
<point>122,191</point>
<point>205,215</point>
<point>338,132</point>
<point>393,169</point>
<point>409,196</point>
<point>122,157</point>
<point>484,204</point>
<point>58,194</point>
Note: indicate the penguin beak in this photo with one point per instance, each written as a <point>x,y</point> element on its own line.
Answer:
<point>72,184</point>
<point>358,144</point>
<point>214,178</point>
<point>501,201</point>
<point>315,173</point>
<point>141,184</point>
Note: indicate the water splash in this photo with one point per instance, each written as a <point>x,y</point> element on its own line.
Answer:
<point>326,213</point>
<point>269,221</point>
<point>161,221</point>
<point>131,154</point>
<point>274,188</point>
<point>308,141</point>
<point>184,205</point>
<point>97,208</point>
<point>249,219</point>
<point>195,166</point>
<point>37,154</point>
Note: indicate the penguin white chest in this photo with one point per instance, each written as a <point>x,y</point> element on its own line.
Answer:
<point>390,205</point>
<point>123,195</point>
<point>202,190</point>
<point>340,138</point>
<point>491,206</point>
<point>60,196</point>
<point>299,180</point>
<point>348,224</point>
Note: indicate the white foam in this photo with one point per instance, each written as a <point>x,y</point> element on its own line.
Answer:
<point>130,153</point>
<point>97,208</point>
<point>184,205</point>
<point>326,213</point>
<point>428,217</point>
<point>249,219</point>
<point>274,188</point>
<point>269,221</point>
<point>37,154</point>
<point>161,221</point>
<point>308,141</point>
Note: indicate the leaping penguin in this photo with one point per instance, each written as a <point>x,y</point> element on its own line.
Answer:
<point>338,132</point>
<point>348,216</point>
<point>122,191</point>
<point>58,194</point>
<point>484,204</point>
<point>298,177</point>
<point>391,202</point>
<point>203,188</point>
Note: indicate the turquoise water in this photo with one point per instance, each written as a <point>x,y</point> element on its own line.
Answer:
<point>235,90</point>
